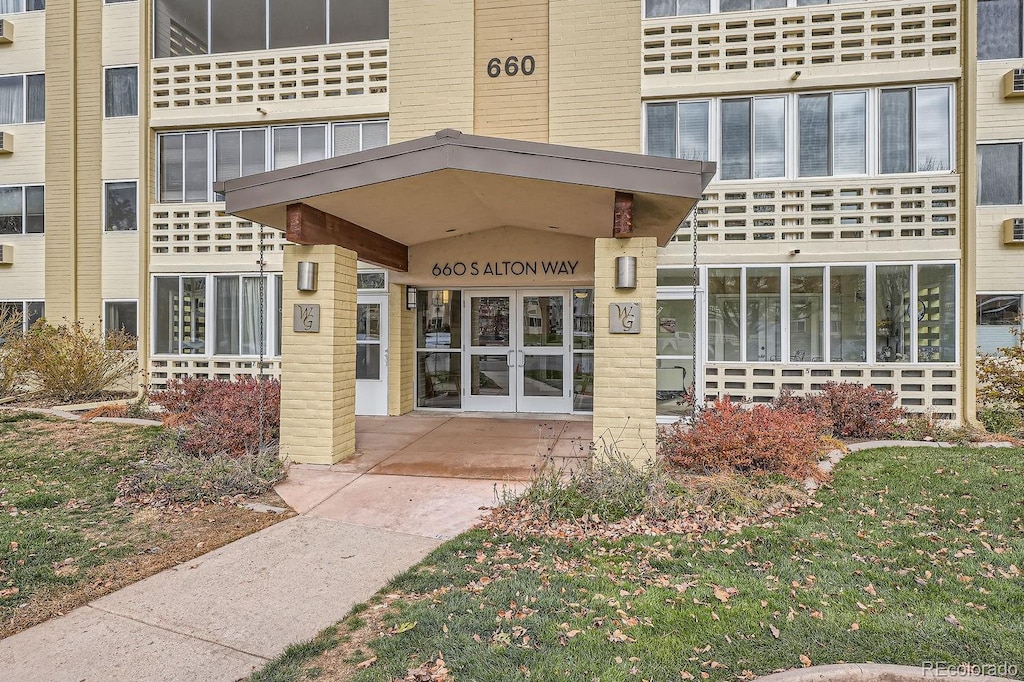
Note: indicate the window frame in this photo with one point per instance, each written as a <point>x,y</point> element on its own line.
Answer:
<point>1020,145</point>
<point>106,82</point>
<point>792,131</point>
<point>27,9</point>
<point>870,268</point>
<point>1019,325</point>
<point>273,289</point>
<point>108,301</point>
<point>25,97</point>
<point>1020,53</point>
<point>24,209</point>
<point>715,8</point>
<point>25,303</point>
<point>106,218</point>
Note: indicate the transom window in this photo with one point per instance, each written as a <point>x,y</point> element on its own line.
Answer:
<point>674,8</point>
<point>22,210</point>
<point>809,134</point>
<point>1000,29</point>
<point>1000,174</point>
<point>196,27</point>
<point>189,162</point>
<point>22,98</point>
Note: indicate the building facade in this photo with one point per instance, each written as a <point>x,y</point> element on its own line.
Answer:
<point>864,224</point>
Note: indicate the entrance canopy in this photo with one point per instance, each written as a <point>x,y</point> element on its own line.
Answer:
<point>381,201</point>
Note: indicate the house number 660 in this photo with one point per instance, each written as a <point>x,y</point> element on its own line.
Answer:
<point>512,66</point>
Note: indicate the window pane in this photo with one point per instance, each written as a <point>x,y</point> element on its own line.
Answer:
<point>197,174</point>
<point>806,315</point>
<point>34,311</point>
<point>849,133</point>
<point>35,210</point>
<point>693,131</point>
<point>998,318</point>
<point>673,377</point>
<point>769,137</point>
<point>440,319</point>
<point>999,29</point>
<point>371,280</point>
<point>583,319</point>
<point>735,162</point>
<point>297,22</point>
<point>848,314</point>
<point>346,138</point>
<point>999,174</point>
<point>179,28</point>
<point>814,128</point>
<point>167,304</point>
<point>227,163</point>
<point>253,329</point>
<point>764,315</point>
<point>894,134</point>
<point>11,210</point>
<point>933,129</point>
<point>122,212</point>
<point>375,135</point>
<point>313,143</point>
<point>368,361</point>
<point>353,20</point>
<point>438,379</point>
<point>661,129</point>
<point>892,313</point>
<point>734,5</point>
<point>660,8</point>
<point>226,341</point>
<point>936,313</point>
<point>678,277</point>
<point>12,99</point>
<point>724,314</point>
<point>171,176</point>
<point>768,4</point>
<point>193,315</point>
<point>122,92</point>
<point>279,307</point>
<point>583,382</point>
<point>686,7</point>
<point>237,25</point>
<point>368,322</point>
<point>675,327</point>
<point>35,104</point>
<point>122,316</point>
<point>254,151</point>
<point>286,147</point>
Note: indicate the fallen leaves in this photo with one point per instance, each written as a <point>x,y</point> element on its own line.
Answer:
<point>805,661</point>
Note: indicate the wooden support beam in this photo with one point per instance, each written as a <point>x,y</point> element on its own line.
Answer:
<point>622,225</point>
<point>308,225</point>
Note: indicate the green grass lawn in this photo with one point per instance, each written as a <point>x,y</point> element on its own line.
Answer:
<point>910,555</point>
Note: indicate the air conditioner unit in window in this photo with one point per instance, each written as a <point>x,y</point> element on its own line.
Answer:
<point>6,143</point>
<point>1013,83</point>
<point>1013,231</point>
<point>6,32</point>
<point>6,254</point>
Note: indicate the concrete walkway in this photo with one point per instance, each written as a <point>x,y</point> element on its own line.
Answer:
<point>227,613</point>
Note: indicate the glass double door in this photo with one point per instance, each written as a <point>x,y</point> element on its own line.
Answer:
<point>518,356</point>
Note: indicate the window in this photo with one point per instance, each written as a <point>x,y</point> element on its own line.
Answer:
<point>196,27</point>
<point>188,160</point>
<point>217,314</point>
<point>1000,35</point>
<point>121,206</point>
<point>1000,174</point>
<point>999,320</point>
<point>29,311</point>
<point>121,93</point>
<point>914,313</point>
<point>914,129</point>
<point>750,137</point>
<point>121,316</point>
<point>22,210</point>
<point>22,98</point>
<point>675,353</point>
<point>583,350</point>
<point>13,6</point>
<point>671,8</point>
<point>438,348</point>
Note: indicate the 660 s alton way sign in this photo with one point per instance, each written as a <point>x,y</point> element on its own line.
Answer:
<point>505,268</point>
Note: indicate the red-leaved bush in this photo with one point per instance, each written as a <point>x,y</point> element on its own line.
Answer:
<point>222,417</point>
<point>849,410</point>
<point>726,437</point>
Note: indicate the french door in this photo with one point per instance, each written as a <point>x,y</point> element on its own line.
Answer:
<point>518,354</point>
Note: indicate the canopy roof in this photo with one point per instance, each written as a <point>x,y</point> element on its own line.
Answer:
<point>452,184</point>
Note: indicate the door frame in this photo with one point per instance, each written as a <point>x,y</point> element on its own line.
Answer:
<point>544,404</point>
<point>372,394</point>
<point>488,403</point>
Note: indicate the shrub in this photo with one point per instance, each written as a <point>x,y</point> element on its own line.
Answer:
<point>726,437</point>
<point>1001,418</point>
<point>848,410</point>
<point>10,327</point>
<point>74,361</point>
<point>222,417</point>
<point>171,476</point>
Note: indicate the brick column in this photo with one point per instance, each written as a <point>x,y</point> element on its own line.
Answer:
<point>318,376</point>
<point>402,345</point>
<point>624,365</point>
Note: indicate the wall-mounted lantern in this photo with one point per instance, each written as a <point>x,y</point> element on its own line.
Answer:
<point>625,272</point>
<point>307,276</point>
<point>410,297</point>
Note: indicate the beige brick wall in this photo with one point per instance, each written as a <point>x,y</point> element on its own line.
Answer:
<point>431,74</point>
<point>512,106</point>
<point>22,281</point>
<point>402,352</point>
<point>624,364</point>
<point>998,118</point>
<point>26,54</point>
<point>318,376</point>
<point>595,74</point>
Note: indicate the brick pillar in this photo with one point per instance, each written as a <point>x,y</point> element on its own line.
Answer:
<point>624,365</point>
<point>318,376</point>
<point>402,345</point>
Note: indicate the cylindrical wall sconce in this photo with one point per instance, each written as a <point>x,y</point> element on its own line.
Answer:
<point>307,276</point>
<point>625,272</point>
<point>410,297</point>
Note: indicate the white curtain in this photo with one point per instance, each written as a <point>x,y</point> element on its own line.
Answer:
<point>12,99</point>
<point>894,137</point>
<point>11,6</point>
<point>251,304</point>
<point>999,29</point>
<point>999,174</point>
<point>769,137</point>
<point>123,91</point>
<point>849,133</point>
<point>813,117</point>
<point>227,316</point>
<point>735,161</point>
<point>661,130</point>
<point>693,130</point>
<point>933,129</point>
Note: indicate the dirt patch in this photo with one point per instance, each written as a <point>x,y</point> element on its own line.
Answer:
<point>164,539</point>
<point>36,400</point>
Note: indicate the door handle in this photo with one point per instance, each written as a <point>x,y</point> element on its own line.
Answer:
<point>387,357</point>
<point>522,359</point>
<point>510,358</point>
